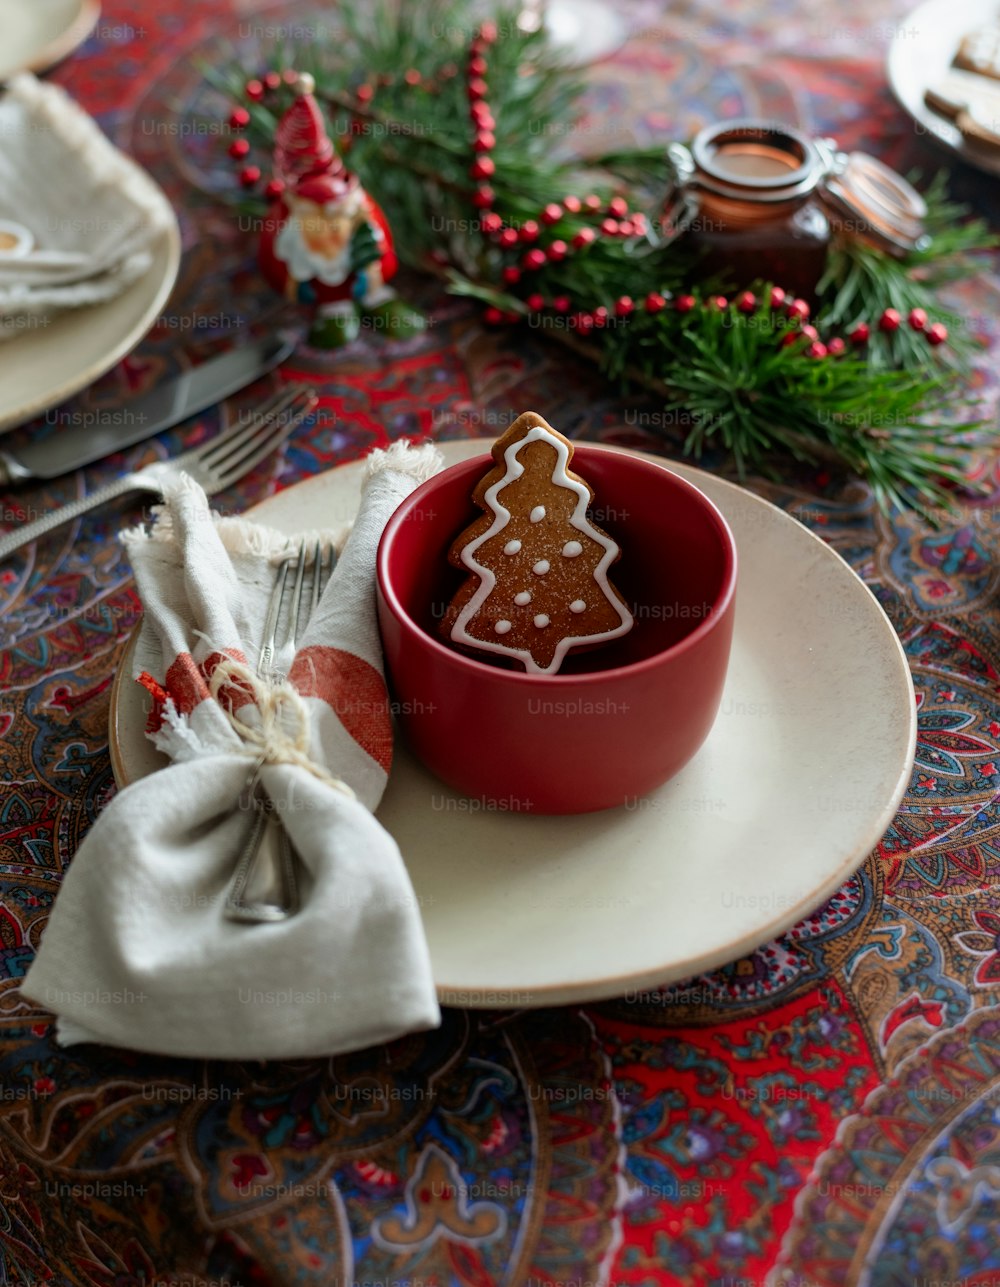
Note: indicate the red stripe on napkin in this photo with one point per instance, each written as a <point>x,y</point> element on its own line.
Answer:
<point>355,692</point>
<point>187,682</point>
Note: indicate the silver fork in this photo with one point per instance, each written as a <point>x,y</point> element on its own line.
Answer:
<point>215,464</point>
<point>264,885</point>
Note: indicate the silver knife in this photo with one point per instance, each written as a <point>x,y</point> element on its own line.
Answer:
<point>103,432</point>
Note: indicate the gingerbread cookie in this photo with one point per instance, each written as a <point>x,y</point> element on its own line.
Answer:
<point>961,91</point>
<point>979,52</point>
<point>538,567</point>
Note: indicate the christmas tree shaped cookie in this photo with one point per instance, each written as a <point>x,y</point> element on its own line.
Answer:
<point>538,567</point>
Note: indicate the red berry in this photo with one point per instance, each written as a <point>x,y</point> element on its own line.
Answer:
<point>534,259</point>
<point>610,227</point>
<point>239,118</point>
<point>583,321</point>
<point>491,222</point>
<point>508,238</point>
<point>889,321</point>
<point>860,334</point>
<point>572,204</point>
<point>481,116</point>
<point>684,303</point>
<point>477,65</point>
<point>364,94</point>
<point>937,334</point>
<point>535,301</point>
<point>250,175</point>
<point>639,224</point>
<point>623,306</point>
<point>790,337</point>
<point>274,189</point>
<point>557,251</point>
<point>592,201</point>
<point>655,302</point>
<point>511,274</point>
<point>483,198</point>
<point>585,237</point>
<point>626,228</point>
<point>552,213</point>
<point>600,316</point>
<point>484,142</point>
<point>529,230</point>
<point>561,303</point>
<point>810,332</point>
<point>618,207</point>
<point>488,33</point>
<point>254,89</point>
<point>777,297</point>
<point>273,80</point>
<point>238,149</point>
<point>477,89</point>
<point>747,302</point>
<point>816,350</point>
<point>799,309</point>
<point>483,167</point>
<point>719,301</point>
<point>917,319</point>
<point>412,76</point>
<point>493,315</point>
<point>836,346</point>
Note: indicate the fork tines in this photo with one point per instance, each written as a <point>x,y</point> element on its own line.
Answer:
<point>313,570</point>
<point>233,451</point>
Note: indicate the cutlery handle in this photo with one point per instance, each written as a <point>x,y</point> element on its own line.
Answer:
<point>11,541</point>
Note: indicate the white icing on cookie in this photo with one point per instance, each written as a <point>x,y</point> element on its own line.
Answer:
<point>502,627</point>
<point>541,567</point>
<point>578,519</point>
<point>522,599</point>
<point>537,514</point>
<point>512,547</point>
<point>571,549</point>
<point>577,605</point>
<point>541,621</point>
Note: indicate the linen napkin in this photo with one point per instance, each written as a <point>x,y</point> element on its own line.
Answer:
<point>93,213</point>
<point>138,952</point>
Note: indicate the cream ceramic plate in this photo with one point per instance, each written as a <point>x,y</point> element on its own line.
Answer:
<point>47,364</point>
<point>35,34</point>
<point>923,45</point>
<point>798,780</point>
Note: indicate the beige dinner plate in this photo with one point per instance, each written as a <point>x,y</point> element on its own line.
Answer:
<point>923,44</point>
<point>45,365</point>
<point>35,34</point>
<point>798,780</point>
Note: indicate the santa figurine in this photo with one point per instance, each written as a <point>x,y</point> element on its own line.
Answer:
<point>327,242</point>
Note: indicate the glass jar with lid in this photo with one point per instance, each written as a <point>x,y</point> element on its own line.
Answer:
<point>762,201</point>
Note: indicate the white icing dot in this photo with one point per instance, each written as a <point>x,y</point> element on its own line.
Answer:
<point>577,605</point>
<point>522,598</point>
<point>571,549</point>
<point>502,627</point>
<point>512,547</point>
<point>541,567</point>
<point>538,513</point>
<point>541,621</point>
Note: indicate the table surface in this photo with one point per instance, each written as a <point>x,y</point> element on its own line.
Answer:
<point>834,1120</point>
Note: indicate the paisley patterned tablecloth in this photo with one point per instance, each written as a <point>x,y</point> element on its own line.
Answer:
<point>826,1111</point>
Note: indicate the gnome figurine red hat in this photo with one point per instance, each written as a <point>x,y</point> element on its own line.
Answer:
<point>327,241</point>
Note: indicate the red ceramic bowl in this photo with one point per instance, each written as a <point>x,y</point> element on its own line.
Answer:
<point>615,722</point>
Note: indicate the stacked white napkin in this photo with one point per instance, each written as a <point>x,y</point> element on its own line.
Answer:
<point>138,951</point>
<point>92,213</point>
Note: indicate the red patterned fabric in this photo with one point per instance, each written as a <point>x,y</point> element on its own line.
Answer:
<point>823,1111</point>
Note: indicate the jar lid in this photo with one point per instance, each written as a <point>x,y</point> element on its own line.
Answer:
<point>756,159</point>
<point>869,200</point>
